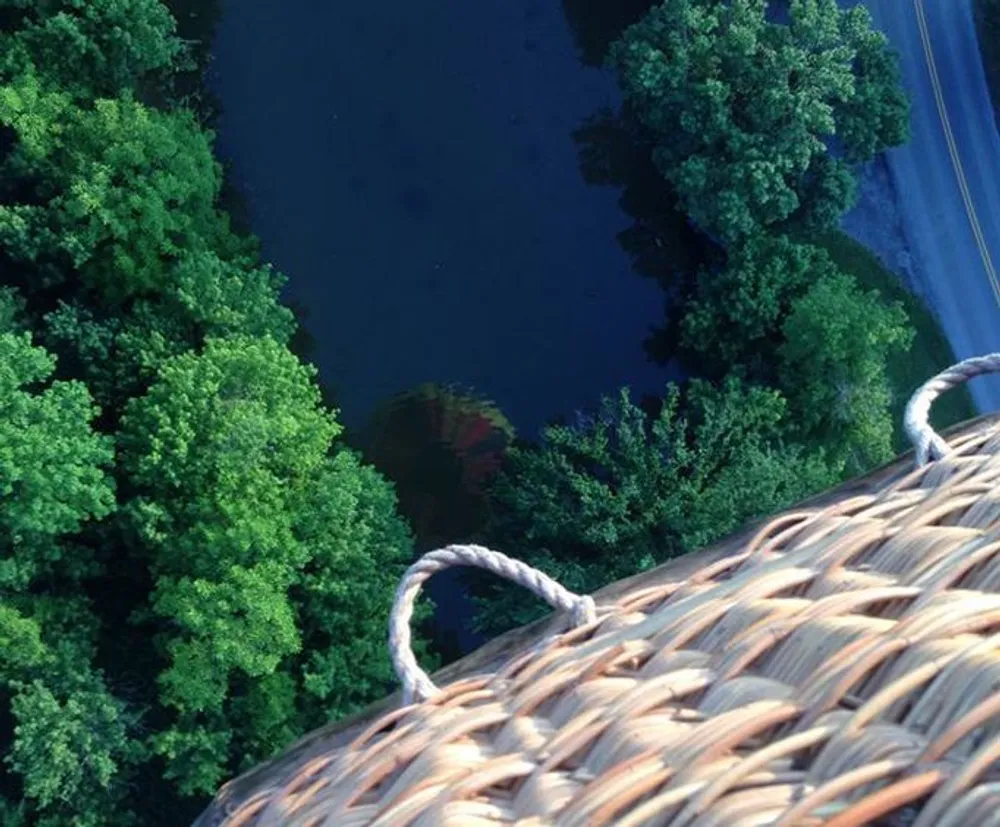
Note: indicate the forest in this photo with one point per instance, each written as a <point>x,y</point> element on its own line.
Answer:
<point>198,562</point>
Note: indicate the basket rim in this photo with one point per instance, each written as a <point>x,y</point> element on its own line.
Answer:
<point>499,651</point>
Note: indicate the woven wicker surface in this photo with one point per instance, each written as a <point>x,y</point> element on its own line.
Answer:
<point>840,667</point>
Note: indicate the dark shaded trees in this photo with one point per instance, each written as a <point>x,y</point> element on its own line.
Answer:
<point>783,313</point>
<point>735,313</point>
<point>96,48</point>
<point>621,491</point>
<point>744,111</point>
<point>68,741</point>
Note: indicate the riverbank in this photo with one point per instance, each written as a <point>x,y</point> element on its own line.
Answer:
<point>874,247</point>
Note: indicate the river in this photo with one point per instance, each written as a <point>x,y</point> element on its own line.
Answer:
<point>411,168</point>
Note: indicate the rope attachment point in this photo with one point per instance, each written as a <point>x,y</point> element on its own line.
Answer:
<point>928,442</point>
<point>417,685</point>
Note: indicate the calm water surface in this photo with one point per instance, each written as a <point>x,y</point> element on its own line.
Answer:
<point>410,167</point>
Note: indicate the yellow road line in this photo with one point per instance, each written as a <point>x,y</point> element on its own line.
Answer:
<point>963,185</point>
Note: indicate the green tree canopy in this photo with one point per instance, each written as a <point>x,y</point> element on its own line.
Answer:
<point>219,446</point>
<point>113,191</point>
<point>236,595</point>
<point>93,48</point>
<point>787,316</point>
<point>359,548</point>
<point>735,315</point>
<point>838,340</point>
<point>619,492</point>
<point>745,110</point>
<point>71,745</point>
<point>12,307</point>
<point>117,351</point>
<point>72,751</point>
<point>52,465</point>
<point>263,537</point>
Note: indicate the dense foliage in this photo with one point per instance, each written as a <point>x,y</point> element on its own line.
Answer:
<point>110,192</point>
<point>744,110</point>
<point>194,569</point>
<point>623,490</point>
<point>96,48</point>
<point>783,312</point>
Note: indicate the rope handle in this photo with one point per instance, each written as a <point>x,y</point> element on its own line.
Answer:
<point>417,685</point>
<point>927,442</point>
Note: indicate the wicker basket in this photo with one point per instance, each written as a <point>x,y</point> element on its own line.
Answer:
<point>838,665</point>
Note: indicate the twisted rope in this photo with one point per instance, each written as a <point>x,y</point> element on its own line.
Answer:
<point>417,685</point>
<point>927,442</point>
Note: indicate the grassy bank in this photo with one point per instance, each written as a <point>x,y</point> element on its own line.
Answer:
<point>931,351</point>
<point>987,14</point>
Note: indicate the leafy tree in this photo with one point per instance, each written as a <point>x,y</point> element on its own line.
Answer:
<point>744,110</point>
<point>70,745</point>
<point>260,541</point>
<point>240,593</point>
<point>73,745</point>
<point>71,751</point>
<point>93,48</point>
<point>359,549</point>
<point>115,192</point>
<point>220,449</point>
<point>233,433</point>
<point>51,464</point>
<point>622,491</point>
<point>341,596</point>
<point>12,308</point>
<point>736,314</point>
<point>877,115</point>
<point>837,344</point>
<point>786,315</point>
<point>118,351</point>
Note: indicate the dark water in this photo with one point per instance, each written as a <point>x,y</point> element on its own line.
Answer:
<point>411,167</point>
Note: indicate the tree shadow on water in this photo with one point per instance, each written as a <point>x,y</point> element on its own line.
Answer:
<point>596,24</point>
<point>661,242</point>
<point>303,345</point>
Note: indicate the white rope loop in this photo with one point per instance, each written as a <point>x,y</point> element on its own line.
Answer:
<point>417,685</point>
<point>927,442</point>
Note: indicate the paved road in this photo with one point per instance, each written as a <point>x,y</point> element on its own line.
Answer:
<point>948,175</point>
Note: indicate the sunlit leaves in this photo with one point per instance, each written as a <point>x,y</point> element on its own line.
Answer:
<point>69,751</point>
<point>119,191</point>
<point>242,621</point>
<point>838,342</point>
<point>52,476</point>
<point>275,554</point>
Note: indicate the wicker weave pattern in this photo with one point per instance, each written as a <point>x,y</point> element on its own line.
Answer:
<point>842,669</point>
